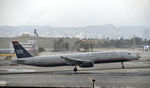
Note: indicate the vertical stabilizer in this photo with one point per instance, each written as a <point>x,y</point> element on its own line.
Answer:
<point>20,51</point>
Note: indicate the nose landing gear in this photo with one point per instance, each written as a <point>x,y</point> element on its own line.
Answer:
<point>122,65</point>
<point>75,69</point>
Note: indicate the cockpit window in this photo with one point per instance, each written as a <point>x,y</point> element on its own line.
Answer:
<point>129,53</point>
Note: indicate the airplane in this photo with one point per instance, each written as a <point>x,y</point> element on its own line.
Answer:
<point>86,60</point>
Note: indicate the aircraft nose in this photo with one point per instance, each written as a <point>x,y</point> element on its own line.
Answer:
<point>137,57</point>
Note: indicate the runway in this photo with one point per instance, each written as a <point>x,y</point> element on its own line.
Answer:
<point>135,75</point>
<point>108,75</point>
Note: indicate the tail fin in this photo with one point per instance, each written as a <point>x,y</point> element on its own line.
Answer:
<point>20,51</point>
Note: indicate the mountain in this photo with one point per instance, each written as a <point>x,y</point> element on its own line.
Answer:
<point>92,31</point>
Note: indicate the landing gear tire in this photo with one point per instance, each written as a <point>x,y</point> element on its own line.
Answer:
<point>75,69</point>
<point>122,65</point>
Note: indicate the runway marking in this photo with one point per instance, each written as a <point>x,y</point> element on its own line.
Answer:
<point>90,78</point>
<point>18,70</point>
<point>63,86</point>
<point>3,83</point>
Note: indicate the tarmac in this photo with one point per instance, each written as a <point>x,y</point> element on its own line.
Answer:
<point>107,75</point>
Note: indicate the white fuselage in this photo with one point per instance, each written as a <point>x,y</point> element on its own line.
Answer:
<point>97,57</point>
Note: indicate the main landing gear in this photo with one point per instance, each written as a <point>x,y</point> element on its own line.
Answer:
<point>122,65</point>
<point>75,69</point>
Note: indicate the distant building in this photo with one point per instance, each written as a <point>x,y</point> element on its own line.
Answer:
<point>146,48</point>
<point>25,35</point>
<point>43,42</point>
<point>28,45</point>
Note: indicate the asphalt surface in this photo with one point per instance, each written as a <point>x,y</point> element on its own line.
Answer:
<point>109,75</point>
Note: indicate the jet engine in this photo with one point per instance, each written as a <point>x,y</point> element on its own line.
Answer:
<point>87,64</point>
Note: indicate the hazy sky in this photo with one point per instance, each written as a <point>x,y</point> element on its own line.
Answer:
<point>75,12</point>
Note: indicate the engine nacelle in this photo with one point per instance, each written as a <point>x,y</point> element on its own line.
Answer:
<point>87,64</point>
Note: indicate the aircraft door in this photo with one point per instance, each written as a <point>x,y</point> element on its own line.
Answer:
<point>122,55</point>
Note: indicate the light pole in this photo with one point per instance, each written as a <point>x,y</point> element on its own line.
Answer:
<point>134,42</point>
<point>93,83</point>
<point>36,41</point>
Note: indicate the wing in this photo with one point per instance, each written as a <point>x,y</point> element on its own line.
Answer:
<point>73,61</point>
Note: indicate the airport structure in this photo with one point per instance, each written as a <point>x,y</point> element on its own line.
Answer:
<point>44,42</point>
<point>71,44</point>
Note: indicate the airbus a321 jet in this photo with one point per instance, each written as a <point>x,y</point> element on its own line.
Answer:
<point>87,59</point>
